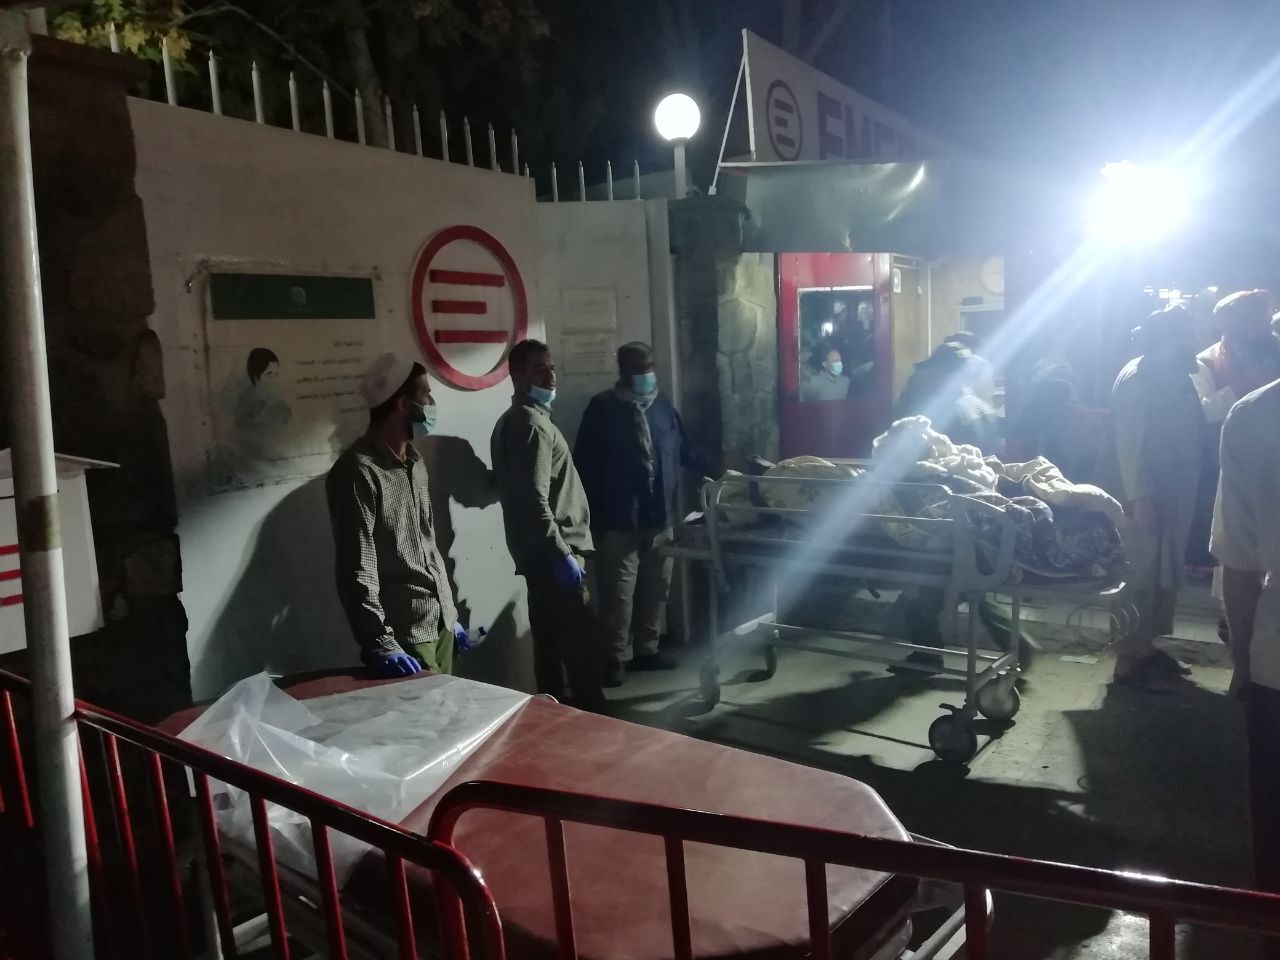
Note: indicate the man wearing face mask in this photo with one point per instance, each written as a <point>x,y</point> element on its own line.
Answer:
<point>825,380</point>
<point>548,527</point>
<point>1151,464</point>
<point>630,448</point>
<point>390,575</point>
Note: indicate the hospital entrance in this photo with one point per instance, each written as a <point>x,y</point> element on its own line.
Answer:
<point>889,646</point>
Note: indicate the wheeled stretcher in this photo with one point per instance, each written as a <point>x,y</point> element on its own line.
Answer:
<point>740,903</point>
<point>840,541</point>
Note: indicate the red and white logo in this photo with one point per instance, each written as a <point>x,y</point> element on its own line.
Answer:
<point>469,306</point>
<point>10,576</point>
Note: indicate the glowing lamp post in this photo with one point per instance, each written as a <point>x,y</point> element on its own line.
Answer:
<point>677,118</point>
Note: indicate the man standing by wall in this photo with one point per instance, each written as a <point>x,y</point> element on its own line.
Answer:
<point>1246,539</point>
<point>391,577</point>
<point>1151,464</point>
<point>630,448</point>
<point>548,527</point>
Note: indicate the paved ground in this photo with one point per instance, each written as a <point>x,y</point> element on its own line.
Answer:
<point>1089,772</point>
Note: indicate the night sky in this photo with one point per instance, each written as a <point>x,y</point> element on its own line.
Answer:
<point>1046,80</point>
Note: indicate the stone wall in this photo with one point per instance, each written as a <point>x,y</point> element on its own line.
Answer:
<point>106,372</point>
<point>726,311</point>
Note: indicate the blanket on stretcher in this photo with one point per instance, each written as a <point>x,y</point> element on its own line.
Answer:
<point>1065,531</point>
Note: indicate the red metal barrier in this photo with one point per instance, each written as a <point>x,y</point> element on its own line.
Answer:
<point>1165,902</point>
<point>138,890</point>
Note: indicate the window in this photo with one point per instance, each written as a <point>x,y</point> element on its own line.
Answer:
<point>837,343</point>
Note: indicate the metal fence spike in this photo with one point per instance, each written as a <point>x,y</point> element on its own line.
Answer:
<point>215,88</point>
<point>258,115</point>
<point>294,115</point>
<point>170,88</point>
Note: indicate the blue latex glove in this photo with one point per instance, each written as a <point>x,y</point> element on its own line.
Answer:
<point>462,641</point>
<point>569,573</point>
<point>393,664</point>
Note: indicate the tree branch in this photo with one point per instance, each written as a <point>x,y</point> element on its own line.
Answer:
<point>293,51</point>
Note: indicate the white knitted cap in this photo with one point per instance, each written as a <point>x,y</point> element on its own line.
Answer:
<point>387,375</point>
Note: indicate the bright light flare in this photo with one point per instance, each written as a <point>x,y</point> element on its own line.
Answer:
<point>1136,204</point>
<point>677,117</point>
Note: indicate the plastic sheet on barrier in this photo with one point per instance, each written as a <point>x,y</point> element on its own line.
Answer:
<point>383,750</point>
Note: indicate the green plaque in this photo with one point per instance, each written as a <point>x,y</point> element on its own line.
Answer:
<point>274,296</point>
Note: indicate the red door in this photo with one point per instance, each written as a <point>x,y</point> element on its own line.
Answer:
<point>834,305</point>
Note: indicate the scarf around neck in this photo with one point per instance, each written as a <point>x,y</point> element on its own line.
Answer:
<point>640,404</point>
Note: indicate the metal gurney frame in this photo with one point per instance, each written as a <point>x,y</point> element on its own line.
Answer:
<point>953,567</point>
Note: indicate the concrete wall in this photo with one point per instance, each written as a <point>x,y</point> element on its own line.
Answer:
<point>106,375</point>
<point>258,562</point>
<point>222,192</point>
<point>601,248</point>
<point>952,282</point>
<point>726,308</point>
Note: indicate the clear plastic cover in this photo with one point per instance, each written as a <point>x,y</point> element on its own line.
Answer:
<point>383,750</point>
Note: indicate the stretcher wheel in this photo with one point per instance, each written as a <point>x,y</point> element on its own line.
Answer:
<point>952,738</point>
<point>709,684</point>
<point>770,660</point>
<point>999,700</point>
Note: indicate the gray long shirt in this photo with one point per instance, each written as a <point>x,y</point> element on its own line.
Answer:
<point>390,575</point>
<point>544,506</point>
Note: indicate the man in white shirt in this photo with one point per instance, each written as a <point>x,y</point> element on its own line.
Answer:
<point>1245,358</point>
<point>1246,539</point>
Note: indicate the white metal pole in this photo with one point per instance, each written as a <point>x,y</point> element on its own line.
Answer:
<point>555,185</point>
<point>215,89</point>
<point>258,114</point>
<point>389,118</point>
<point>294,114</point>
<point>417,130</point>
<point>35,481</point>
<point>444,137</point>
<point>493,149</point>
<point>359,117</point>
<point>466,135</point>
<point>170,90</point>
<point>327,97</point>
<point>515,153</point>
<point>608,177</point>
<point>682,178</point>
<point>582,182</point>
<point>635,176</point>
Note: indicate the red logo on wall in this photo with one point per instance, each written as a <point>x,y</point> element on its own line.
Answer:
<point>469,306</point>
<point>10,576</point>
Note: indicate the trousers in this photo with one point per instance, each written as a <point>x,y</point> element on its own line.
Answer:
<point>437,655</point>
<point>566,641</point>
<point>633,580</point>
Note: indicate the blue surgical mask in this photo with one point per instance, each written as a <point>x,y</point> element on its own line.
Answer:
<point>542,396</point>
<point>427,424</point>
<point>644,383</point>
<point>837,368</point>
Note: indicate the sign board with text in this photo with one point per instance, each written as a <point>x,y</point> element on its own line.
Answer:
<point>798,113</point>
<point>79,560</point>
<point>286,355</point>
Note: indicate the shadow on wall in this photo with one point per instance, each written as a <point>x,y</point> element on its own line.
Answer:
<point>283,614</point>
<point>459,476</point>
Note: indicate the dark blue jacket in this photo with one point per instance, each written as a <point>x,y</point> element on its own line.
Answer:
<point>608,456</point>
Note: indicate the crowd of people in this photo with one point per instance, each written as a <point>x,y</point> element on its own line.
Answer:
<point>613,497</point>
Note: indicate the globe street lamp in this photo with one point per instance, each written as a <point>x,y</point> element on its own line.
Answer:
<point>677,118</point>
